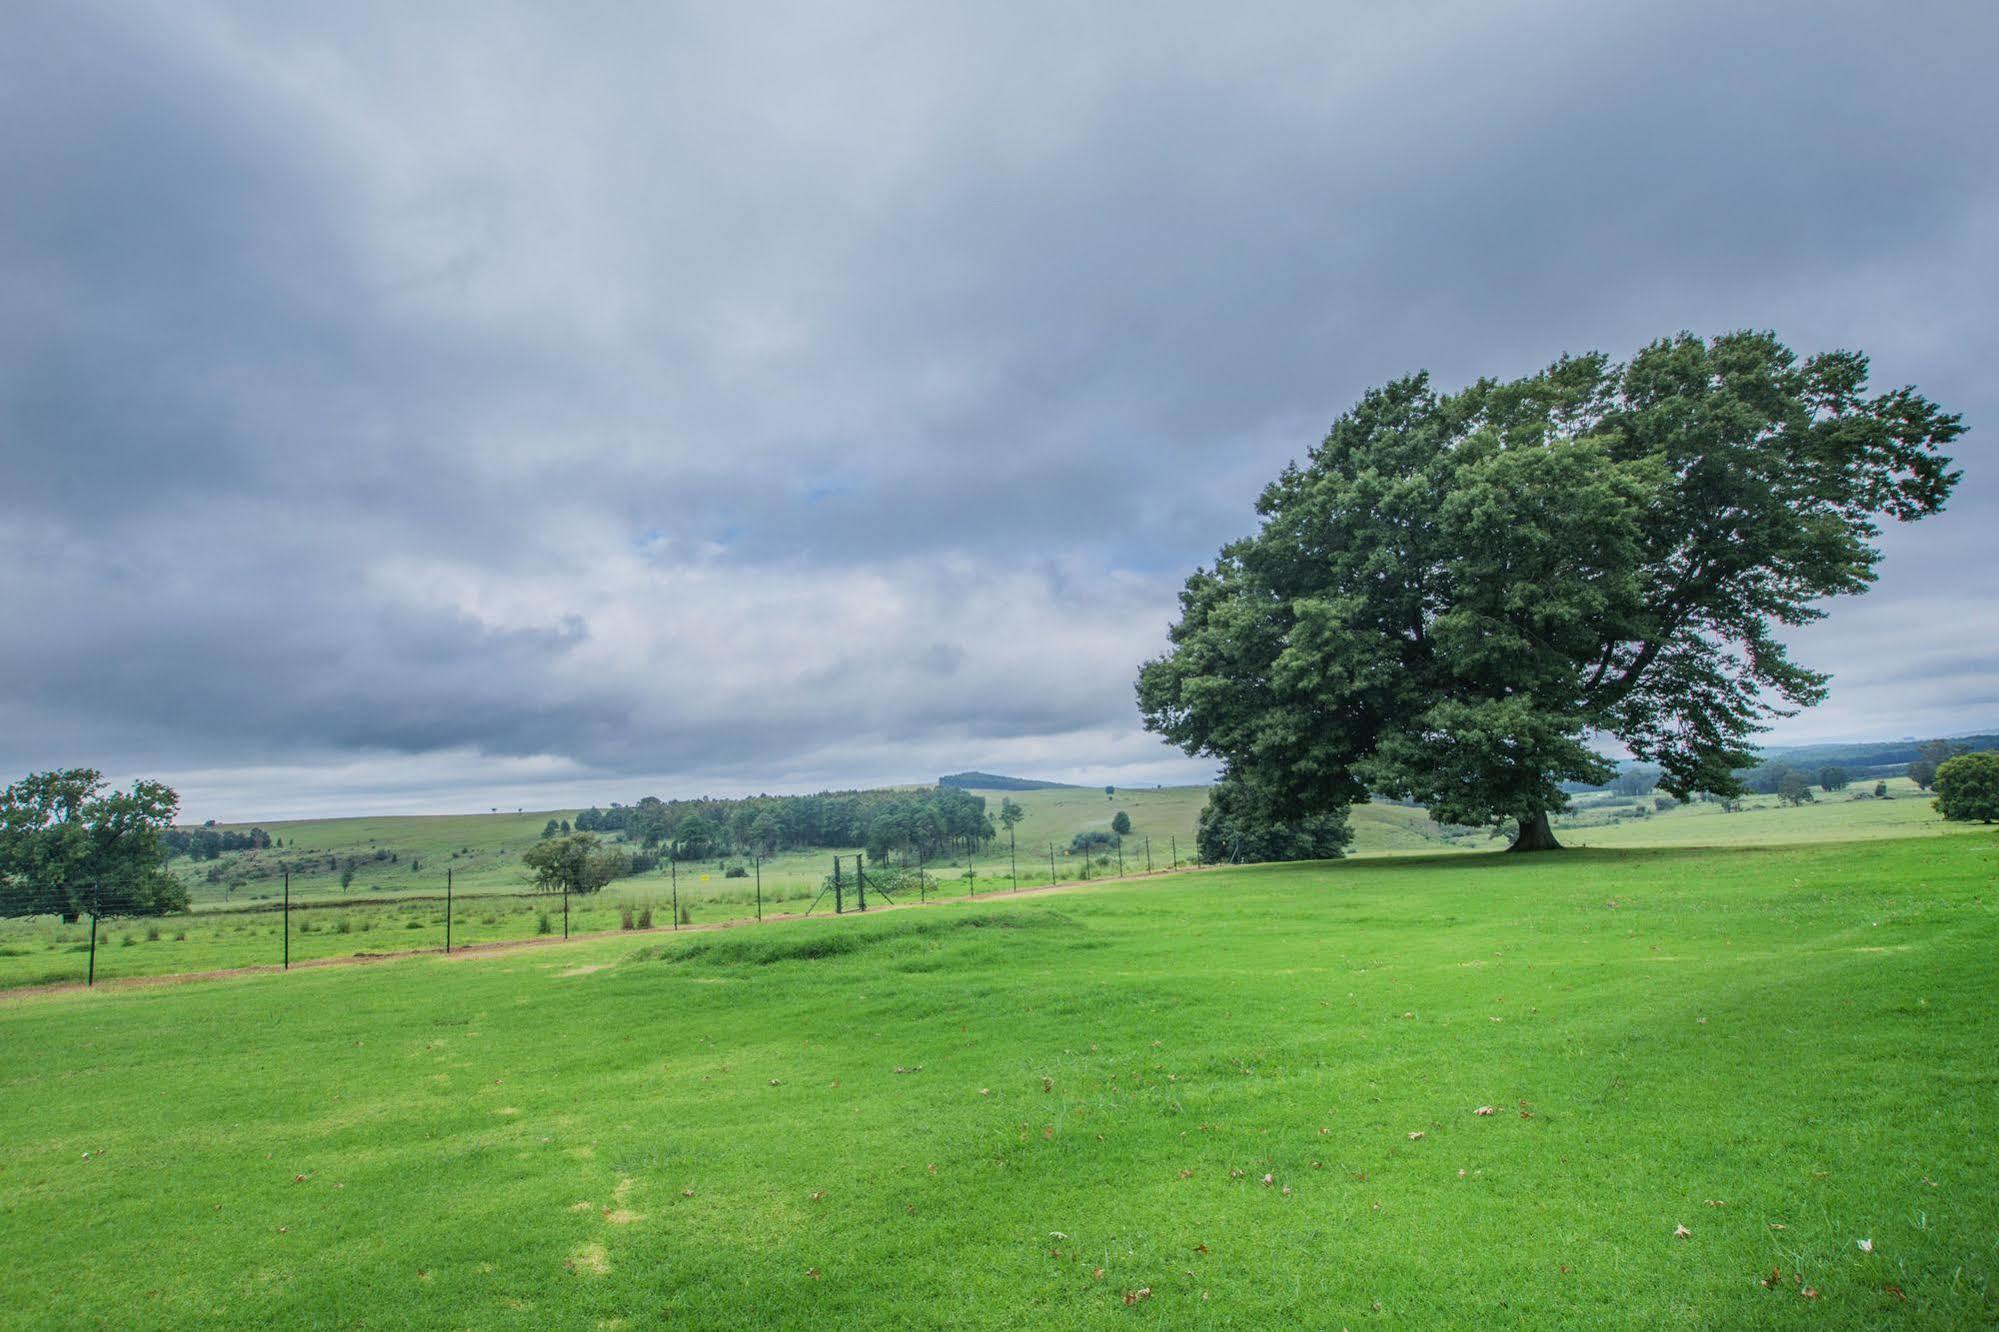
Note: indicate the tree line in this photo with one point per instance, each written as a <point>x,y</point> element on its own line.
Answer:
<point>930,822</point>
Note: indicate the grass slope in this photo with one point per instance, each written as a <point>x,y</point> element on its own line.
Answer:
<point>1028,1112</point>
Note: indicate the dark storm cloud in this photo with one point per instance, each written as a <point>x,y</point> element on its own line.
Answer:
<point>408,405</point>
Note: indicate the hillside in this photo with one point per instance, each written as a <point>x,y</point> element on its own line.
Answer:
<point>992,781</point>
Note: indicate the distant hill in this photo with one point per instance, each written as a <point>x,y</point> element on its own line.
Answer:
<point>992,781</point>
<point>1875,758</point>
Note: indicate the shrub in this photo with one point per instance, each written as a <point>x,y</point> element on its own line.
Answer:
<point>343,926</point>
<point>542,924</point>
<point>152,934</point>
<point>686,914</point>
<point>736,872</point>
<point>626,920</point>
<point>645,917</point>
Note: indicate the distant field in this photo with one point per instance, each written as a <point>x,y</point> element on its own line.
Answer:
<point>1244,1098</point>
<point>490,884</point>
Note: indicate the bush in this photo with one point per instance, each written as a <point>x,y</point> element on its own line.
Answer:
<point>1967,788</point>
<point>1095,840</point>
<point>645,917</point>
<point>686,914</point>
<point>736,872</point>
<point>542,924</point>
<point>626,920</point>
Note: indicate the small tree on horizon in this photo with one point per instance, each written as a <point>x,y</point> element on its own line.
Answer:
<point>1121,824</point>
<point>1794,789</point>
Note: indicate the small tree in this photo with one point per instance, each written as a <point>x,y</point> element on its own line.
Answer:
<point>550,829</point>
<point>575,863</point>
<point>346,878</point>
<point>1833,778</point>
<point>1121,824</point>
<point>1968,788</point>
<point>68,846</point>
<point>1010,813</point>
<point>1110,793</point>
<point>1794,789</point>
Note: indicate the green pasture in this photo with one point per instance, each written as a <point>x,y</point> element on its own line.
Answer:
<point>492,900</point>
<point>1242,1098</point>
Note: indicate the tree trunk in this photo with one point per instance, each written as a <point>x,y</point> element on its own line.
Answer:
<point>1536,835</point>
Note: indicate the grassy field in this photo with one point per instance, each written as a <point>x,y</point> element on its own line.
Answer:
<point>397,905</point>
<point>1238,1098</point>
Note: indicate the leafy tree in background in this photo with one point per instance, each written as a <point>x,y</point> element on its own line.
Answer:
<point>575,863</point>
<point>1931,755</point>
<point>69,846</point>
<point>1110,793</point>
<point>550,829</point>
<point>1237,826</point>
<point>1794,789</point>
<point>1121,824</point>
<point>1968,788</point>
<point>1010,813</point>
<point>1832,777</point>
<point>1457,592</point>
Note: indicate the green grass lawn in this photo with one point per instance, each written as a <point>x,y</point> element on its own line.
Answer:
<point>1027,1112</point>
<point>405,913</point>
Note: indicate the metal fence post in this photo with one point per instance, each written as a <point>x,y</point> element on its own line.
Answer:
<point>861,879</point>
<point>1148,855</point>
<point>760,889</point>
<point>1051,864</point>
<point>447,911</point>
<point>288,920</point>
<point>90,975</point>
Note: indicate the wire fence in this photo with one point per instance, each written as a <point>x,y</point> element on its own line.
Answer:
<point>58,947</point>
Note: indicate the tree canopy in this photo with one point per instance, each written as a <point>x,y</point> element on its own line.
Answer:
<point>1458,593</point>
<point>1236,826</point>
<point>1967,788</point>
<point>575,863</point>
<point>69,845</point>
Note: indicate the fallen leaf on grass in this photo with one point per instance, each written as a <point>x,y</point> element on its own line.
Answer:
<point>812,1272</point>
<point>1483,1110</point>
<point>1864,1245</point>
<point>1717,1202</point>
<point>1417,1134</point>
<point>1097,1275</point>
<point>1681,1232</point>
<point>1134,1296</point>
<point>817,1196</point>
<point>1810,1292</point>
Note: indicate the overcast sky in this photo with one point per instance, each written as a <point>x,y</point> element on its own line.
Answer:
<point>431,407</point>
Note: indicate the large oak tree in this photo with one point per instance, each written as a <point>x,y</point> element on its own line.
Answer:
<point>1458,595</point>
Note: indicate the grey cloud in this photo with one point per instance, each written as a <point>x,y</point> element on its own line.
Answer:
<point>841,394</point>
